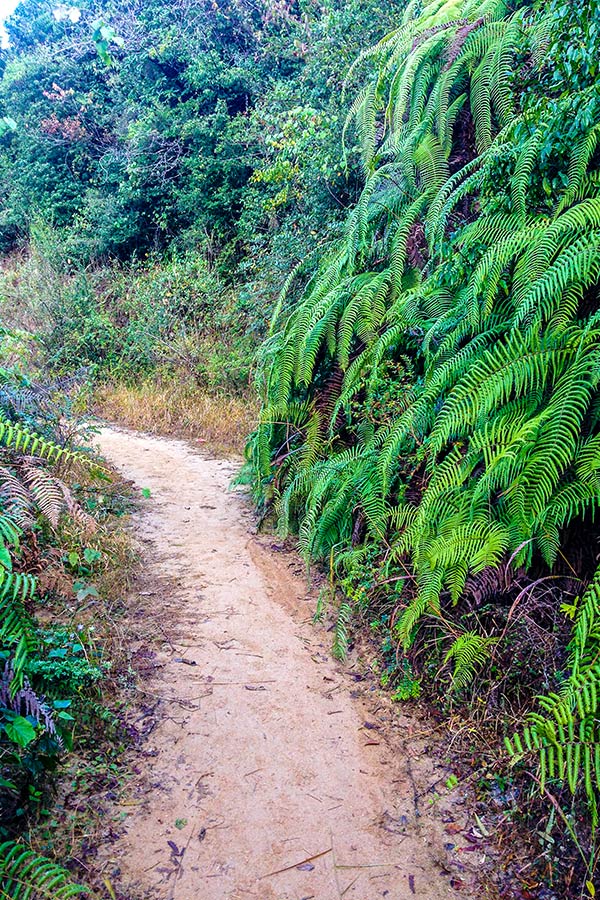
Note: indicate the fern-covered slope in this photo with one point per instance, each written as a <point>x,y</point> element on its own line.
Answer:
<point>430,417</point>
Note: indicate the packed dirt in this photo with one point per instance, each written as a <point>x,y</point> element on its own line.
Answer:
<point>270,771</point>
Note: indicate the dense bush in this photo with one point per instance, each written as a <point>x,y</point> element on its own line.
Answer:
<point>130,136</point>
<point>160,134</point>
<point>165,314</point>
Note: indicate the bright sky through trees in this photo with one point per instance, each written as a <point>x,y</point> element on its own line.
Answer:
<point>6,7</point>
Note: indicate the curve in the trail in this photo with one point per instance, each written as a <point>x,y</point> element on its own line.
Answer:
<point>260,778</point>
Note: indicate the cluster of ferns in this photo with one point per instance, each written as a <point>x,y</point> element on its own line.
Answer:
<point>431,404</point>
<point>30,490</point>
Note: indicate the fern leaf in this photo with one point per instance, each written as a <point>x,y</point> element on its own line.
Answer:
<point>340,640</point>
<point>25,875</point>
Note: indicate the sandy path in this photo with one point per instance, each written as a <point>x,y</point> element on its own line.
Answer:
<point>260,754</point>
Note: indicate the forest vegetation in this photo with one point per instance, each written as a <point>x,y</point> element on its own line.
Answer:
<point>371,233</point>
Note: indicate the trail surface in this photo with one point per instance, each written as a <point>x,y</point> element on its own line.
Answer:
<point>262,776</point>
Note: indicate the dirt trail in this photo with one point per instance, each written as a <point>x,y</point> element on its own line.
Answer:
<point>260,761</point>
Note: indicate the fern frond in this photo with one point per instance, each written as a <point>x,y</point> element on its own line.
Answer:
<point>470,651</point>
<point>17,629</point>
<point>341,639</point>
<point>25,875</point>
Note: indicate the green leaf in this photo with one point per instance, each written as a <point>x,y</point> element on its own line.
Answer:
<point>88,591</point>
<point>20,731</point>
<point>5,558</point>
<point>90,555</point>
<point>9,785</point>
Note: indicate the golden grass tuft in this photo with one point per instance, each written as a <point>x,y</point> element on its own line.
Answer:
<point>181,409</point>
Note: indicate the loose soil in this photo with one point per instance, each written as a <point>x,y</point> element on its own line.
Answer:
<point>270,770</point>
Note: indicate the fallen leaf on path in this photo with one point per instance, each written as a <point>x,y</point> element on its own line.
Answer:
<point>393,824</point>
<point>473,838</point>
<point>175,849</point>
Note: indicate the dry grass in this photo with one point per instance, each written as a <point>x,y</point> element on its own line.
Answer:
<point>181,409</point>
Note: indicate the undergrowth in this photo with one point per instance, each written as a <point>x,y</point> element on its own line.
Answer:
<point>64,563</point>
<point>175,406</point>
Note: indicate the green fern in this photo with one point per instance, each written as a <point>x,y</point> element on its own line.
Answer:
<point>25,875</point>
<point>469,652</point>
<point>473,258</point>
<point>565,734</point>
<point>17,629</point>
<point>341,637</point>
